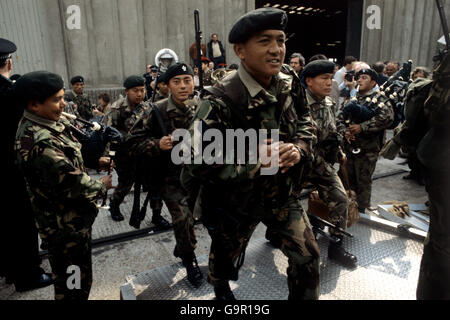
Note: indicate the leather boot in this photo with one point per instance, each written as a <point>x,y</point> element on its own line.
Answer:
<point>159,221</point>
<point>194,274</point>
<point>114,209</point>
<point>223,292</point>
<point>337,253</point>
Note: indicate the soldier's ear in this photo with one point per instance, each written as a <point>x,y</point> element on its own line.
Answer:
<point>239,50</point>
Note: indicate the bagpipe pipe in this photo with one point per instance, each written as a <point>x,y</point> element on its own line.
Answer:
<point>392,92</point>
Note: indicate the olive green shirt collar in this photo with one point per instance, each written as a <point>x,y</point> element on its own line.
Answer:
<point>172,105</point>
<point>57,126</point>
<point>312,99</point>
<point>251,84</point>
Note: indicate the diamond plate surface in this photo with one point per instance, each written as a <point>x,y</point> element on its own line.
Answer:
<point>388,268</point>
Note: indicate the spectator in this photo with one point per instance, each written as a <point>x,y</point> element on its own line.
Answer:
<point>348,66</point>
<point>420,72</point>
<point>391,68</point>
<point>379,68</point>
<point>297,62</point>
<point>216,51</point>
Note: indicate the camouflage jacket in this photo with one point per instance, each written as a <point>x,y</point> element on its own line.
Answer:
<point>84,107</point>
<point>370,139</point>
<point>123,117</point>
<point>324,119</point>
<point>60,190</point>
<point>434,149</point>
<point>264,109</point>
<point>207,79</point>
<point>174,117</point>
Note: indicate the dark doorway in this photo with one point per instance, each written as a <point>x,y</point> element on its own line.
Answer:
<point>321,26</point>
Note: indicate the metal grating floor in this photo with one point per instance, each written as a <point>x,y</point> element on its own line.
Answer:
<point>388,269</point>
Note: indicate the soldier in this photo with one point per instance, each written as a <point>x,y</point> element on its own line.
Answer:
<point>18,236</point>
<point>150,76</point>
<point>433,152</point>
<point>235,198</point>
<point>82,103</point>
<point>123,116</point>
<point>62,193</point>
<point>175,112</point>
<point>318,76</point>
<point>207,81</point>
<point>367,136</point>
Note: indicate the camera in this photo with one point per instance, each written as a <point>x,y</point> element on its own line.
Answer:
<point>350,76</point>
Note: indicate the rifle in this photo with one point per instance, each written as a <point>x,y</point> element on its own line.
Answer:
<point>318,225</point>
<point>198,41</point>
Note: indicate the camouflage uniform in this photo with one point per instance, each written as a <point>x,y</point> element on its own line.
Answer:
<point>360,167</point>
<point>207,79</point>
<point>235,198</point>
<point>122,117</point>
<point>175,197</point>
<point>322,174</point>
<point>63,197</point>
<point>433,152</point>
<point>84,107</point>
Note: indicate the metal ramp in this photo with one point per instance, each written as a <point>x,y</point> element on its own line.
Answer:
<point>388,269</point>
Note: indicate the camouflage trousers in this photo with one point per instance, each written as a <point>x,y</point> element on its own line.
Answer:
<point>175,198</point>
<point>434,275</point>
<point>66,249</point>
<point>332,192</point>
<point>232,232</point>
<point>360,169</point>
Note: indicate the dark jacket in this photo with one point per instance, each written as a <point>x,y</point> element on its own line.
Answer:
<point>210,50</point>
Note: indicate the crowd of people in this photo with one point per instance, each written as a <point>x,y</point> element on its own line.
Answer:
<point>305,101</point>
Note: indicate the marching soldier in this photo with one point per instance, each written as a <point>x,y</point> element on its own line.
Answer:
<point>176,112</point>
<point>83,105</point>
<point>318,76</point>
<point>62,194</point>
<point>123,116</point>
<point>235,198</point>
<point>367,136</point>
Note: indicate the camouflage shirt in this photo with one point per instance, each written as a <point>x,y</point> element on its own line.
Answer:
<point>328,138</point>
<point>271,108</point>
<point>370,139</point>
<point>174,117</point>
<point>50,158</point>
<point>83,104</point>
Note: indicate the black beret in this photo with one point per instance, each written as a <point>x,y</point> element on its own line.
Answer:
<point>153,68</point>
<point>318,67</point>
<point>38,85</point>
<point>177,69</point>
<point>372,73</point>
<point>134,81</point>
<point>255,21</point>
<point>76,79</point>
<point>6,48</point>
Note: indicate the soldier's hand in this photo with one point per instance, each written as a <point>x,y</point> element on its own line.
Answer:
<point>355,129</point>
<point>105,164</point>
<point>107,181</point>
<point>166,143</point>
<point>289,156</point>
<point>349,136</point>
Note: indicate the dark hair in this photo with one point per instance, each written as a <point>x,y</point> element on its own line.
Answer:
<point>318,57</point>
<point>233,66</point>
<point>349,59</point>
<point>379,66</point>
<point>426,71</point>
<point>214,34</point>
<point>4,62</point>
<point>105,97</point>
<point>300,57</point>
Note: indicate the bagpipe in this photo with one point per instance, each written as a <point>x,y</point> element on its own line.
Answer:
<point>392,92</point>
<point>94,138</point>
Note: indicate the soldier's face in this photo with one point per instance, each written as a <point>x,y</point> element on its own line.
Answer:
<point>321,85</point>
<point>51,108</point>
<point>263,54</point>
<point>136,95</point>
<point>365,83</point>
<point>181,87</point>
<point>78,87</point>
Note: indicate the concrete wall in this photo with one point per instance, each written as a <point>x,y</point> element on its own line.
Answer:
<point>117,38</point>
<point>409,30</point>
